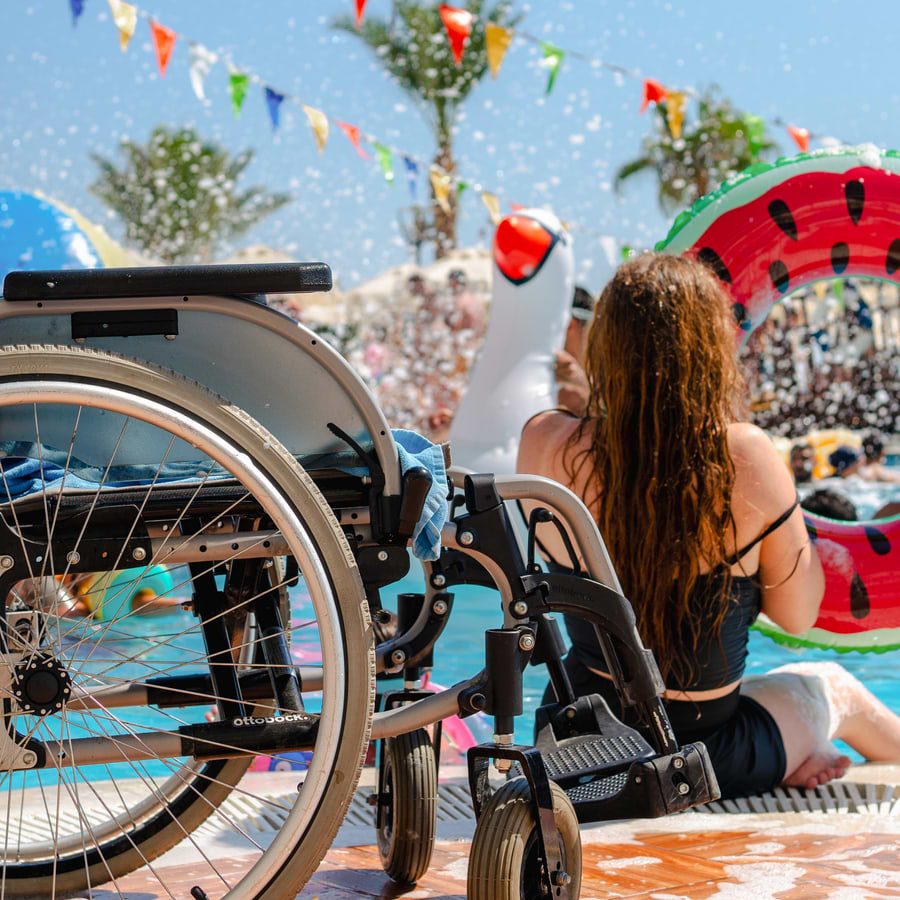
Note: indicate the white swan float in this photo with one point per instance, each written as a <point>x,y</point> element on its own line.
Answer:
<point>512,378</point>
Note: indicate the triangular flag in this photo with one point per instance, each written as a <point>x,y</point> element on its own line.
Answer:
<point>838,287</point>
<point>458,23</point>
<point>77,7</point>
<point>608,246</point>
<point>493,206</point>
<point>820,289</point>
<point>412,171</point>
<point>440,182</point>
<point>654,92</point>
<point>163,41</point>
<point>319,122</point>
<point>627,252</point>
<point>125,17</point>
<point>200,60</point>
<point>352,133</point>
<point>754,129</point>
<point>515,207</point>
<point>497,41</point>
<point>553,58</point>
<point>460,187</point>
<point>675,105</point>
<point>360,6</point>
<point>237,87</point>
<point>800,136</point>
<point>383,155</point>
<point>273,102</point>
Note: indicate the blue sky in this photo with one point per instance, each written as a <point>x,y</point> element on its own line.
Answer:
<point>828,65</point>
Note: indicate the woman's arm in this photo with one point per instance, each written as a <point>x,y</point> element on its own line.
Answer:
<point>789,569</point>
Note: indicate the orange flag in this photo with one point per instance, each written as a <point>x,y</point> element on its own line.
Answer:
<point>352,133</point>
<point>360,6</point>
<point>800,136</point>
<point>163,41</point>
<point>654,92</point>
<point>497,41</point>
<point>458,23</point>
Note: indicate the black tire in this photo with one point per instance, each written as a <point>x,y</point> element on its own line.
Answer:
<point>503,862</point>
<point>407,823</point>
<point>160,823</point>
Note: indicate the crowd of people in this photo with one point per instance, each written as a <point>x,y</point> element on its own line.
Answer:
<point>840,372</point>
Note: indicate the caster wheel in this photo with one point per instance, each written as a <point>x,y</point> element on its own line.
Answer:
<point>504,860</point>
<point>407,819</point>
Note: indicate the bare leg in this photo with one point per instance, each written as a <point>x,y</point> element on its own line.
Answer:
<point>814,703</point>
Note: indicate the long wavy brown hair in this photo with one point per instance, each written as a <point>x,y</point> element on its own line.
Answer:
<point>664,387</point>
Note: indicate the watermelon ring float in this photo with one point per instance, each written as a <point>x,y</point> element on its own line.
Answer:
<point>768,232</point>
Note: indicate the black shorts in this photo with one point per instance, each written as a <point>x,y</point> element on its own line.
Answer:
<point>746,749</point>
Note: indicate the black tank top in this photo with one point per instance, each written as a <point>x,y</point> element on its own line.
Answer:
<point>718,660</point>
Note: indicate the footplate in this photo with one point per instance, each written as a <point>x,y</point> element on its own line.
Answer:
<point>649,789</point>
<point>584,741</point>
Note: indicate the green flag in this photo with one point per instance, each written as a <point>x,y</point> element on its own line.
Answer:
<point>461,186</point>
<point>383,155</point>
<point>237,87</point>
<point>838,287</point>
<point>553,58</point>
<point>754,128</point>
<point>627,252</point>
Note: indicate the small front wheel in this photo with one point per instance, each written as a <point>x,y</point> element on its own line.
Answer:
<point>407,815</point>
<point>504,863</point>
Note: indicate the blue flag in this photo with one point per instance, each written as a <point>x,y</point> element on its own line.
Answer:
<point>77,7</point>
<point>274,101</point>
<point>412,170</point>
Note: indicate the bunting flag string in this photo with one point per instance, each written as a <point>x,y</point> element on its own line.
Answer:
<point>274,99</point>
<point>458,25</point>
<point>163,41</point>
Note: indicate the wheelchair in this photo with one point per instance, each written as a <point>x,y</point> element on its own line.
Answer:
<point>281,517</point>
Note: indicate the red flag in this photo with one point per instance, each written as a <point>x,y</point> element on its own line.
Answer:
<point>360,6</point>
<point>163,41</point>
<point>654,92</point>
<point>800,136</point>
<point>515,207</point>
<point>458,23</point>
<point>352,133</point>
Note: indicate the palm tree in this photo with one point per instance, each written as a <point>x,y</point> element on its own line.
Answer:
<point>720,143</point>
<point>178,195</point>
<point>413,47</point>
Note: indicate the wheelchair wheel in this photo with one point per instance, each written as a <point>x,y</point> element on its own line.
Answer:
<point>504,860</point>
<point>407,817</point>
<point>129,725</point>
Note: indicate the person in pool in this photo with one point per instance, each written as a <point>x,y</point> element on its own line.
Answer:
<point>701,518</point>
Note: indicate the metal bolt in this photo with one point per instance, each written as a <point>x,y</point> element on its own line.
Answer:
<point>467,538</point>
<point>526,641</point>
<point>502,765</point>
<point>560,878</point>
<point>438,580</point>
<point>570,713</point>
<point>28,758</point>
<point>678,762</point>
<point>397,657</point>
<point>477,701</point>
<point>439,607</point>
<point>683,787</point>
<point>139,553</point>
<point>520,608</point>
<point>188,606</point>
<point>79,340</point>
<point>6,562</point>
<point>170,337</point>
<point>73,557</point>
<point>382,556</point>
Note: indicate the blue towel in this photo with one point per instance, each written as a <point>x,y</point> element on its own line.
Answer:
<point>25,473</point>
<point>415,450</point>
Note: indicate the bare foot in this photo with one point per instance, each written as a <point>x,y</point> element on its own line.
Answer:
<point>818,768</point>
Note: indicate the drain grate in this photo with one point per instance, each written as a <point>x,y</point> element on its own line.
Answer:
<point>836,798</point>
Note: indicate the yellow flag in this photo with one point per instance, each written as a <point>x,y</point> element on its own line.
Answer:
<point>125,17</point>
<point>493,206</point>
<point>820,289</point>
<point>440,181</point>
<point>497,41</point>
<point>319,122</point>
<point>675,103</point>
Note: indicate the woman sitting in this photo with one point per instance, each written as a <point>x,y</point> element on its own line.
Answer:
<point>701,519</point>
